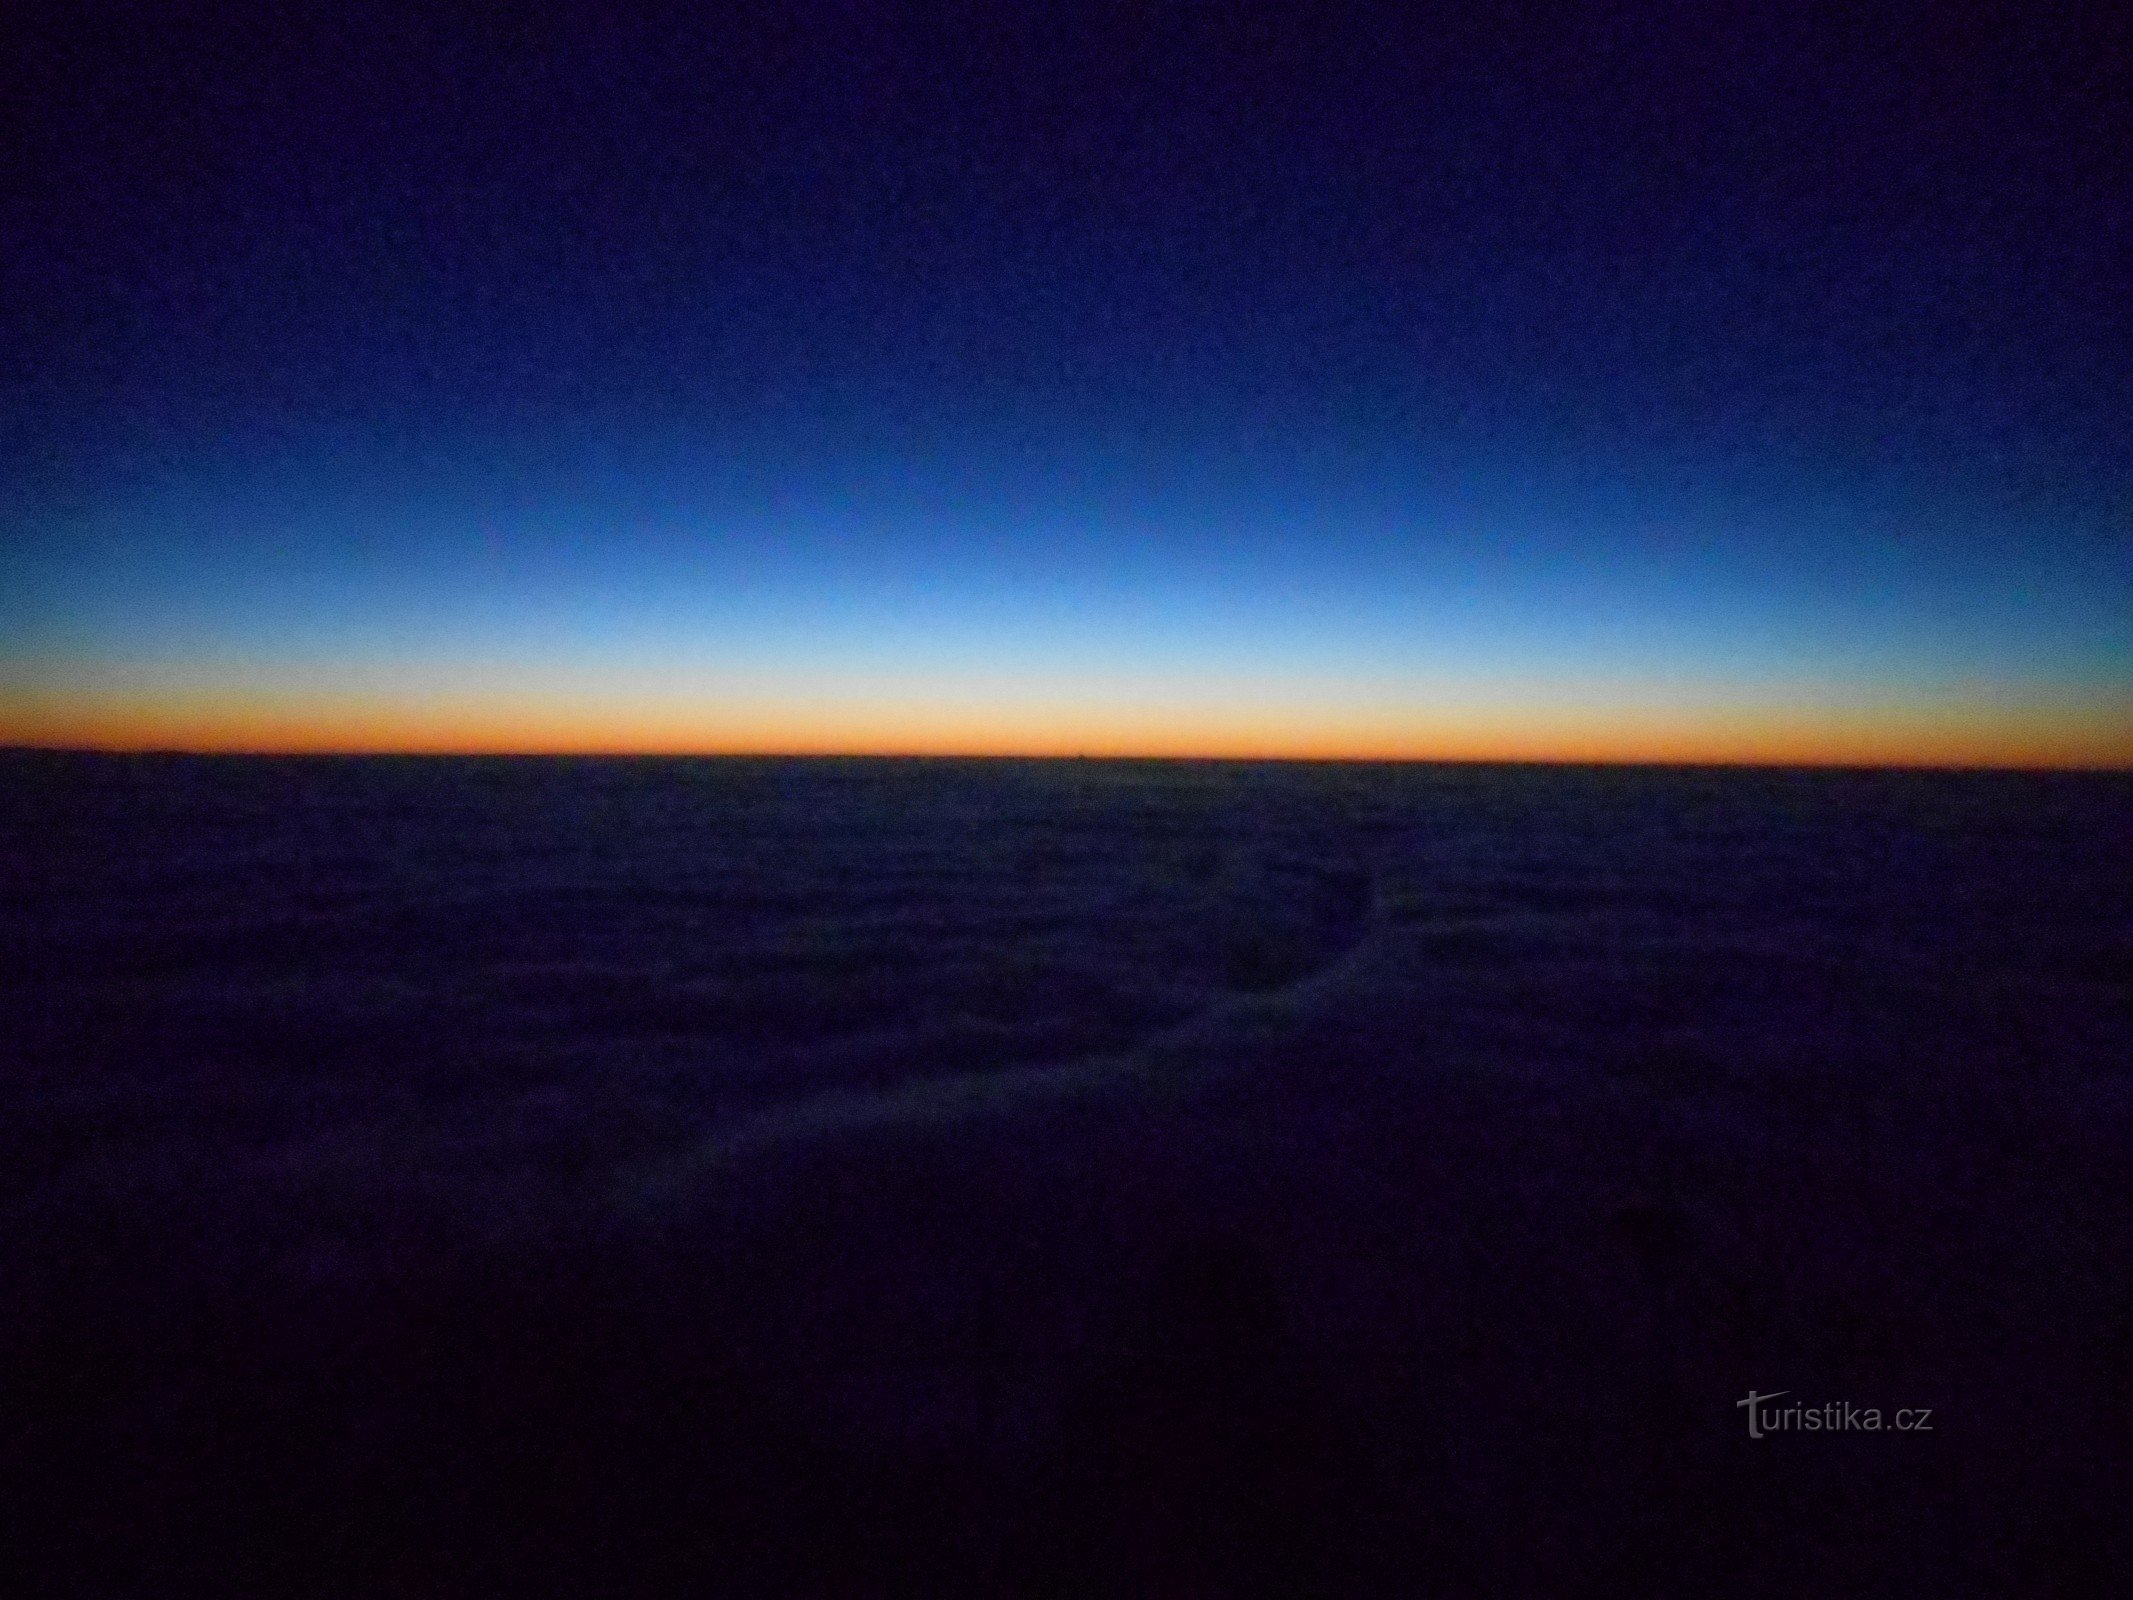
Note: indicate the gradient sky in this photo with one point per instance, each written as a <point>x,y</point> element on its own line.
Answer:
<point>1647,383</point>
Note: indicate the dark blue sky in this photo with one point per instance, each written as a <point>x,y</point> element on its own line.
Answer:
<point>1271,374</point>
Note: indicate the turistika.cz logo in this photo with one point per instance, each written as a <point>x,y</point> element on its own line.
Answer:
<point>1836,1416</point>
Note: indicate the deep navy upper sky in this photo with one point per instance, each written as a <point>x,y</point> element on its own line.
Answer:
<point>1170,363</point>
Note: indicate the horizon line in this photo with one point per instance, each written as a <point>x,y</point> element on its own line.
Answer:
<point>1113,757</point>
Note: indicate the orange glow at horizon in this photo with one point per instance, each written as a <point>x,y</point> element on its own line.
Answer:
<point>1708,732</point>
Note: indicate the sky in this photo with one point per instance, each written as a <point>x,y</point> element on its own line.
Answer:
<point>1667,382</point>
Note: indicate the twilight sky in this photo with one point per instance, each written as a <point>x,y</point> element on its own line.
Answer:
<point>1653,382</point>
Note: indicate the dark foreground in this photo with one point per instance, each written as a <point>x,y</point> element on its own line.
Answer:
<point>432,1177</point>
